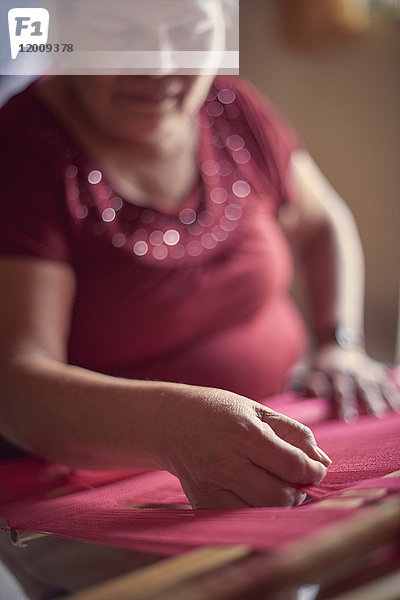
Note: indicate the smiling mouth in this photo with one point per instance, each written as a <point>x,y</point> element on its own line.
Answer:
<point>150,98</point>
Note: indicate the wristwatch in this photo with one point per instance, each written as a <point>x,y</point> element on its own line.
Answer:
<point>346,336</point>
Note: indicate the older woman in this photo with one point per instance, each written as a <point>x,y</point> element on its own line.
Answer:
<point>145,280</point>
<point>145,274</point>
<point>148,276</point>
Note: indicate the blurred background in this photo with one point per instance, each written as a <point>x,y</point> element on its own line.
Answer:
<point>332,67</point>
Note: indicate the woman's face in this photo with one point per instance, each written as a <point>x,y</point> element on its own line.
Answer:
<point>138,106</point>
<point>143,105</point>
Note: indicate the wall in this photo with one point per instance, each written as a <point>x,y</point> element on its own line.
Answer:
<point>345,103</point>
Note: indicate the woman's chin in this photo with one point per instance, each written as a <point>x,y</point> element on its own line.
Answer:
<point>146,125</point>
<point>150,102</point>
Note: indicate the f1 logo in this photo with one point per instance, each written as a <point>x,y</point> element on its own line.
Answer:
<point>27,26</point>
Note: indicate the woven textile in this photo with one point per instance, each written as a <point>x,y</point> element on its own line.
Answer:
<point>133,510</point>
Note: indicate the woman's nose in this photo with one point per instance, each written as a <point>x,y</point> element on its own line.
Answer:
<point>164,54</point>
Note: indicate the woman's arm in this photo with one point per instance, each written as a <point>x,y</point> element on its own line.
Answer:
<point>328,250</point>
<point>228,451</point>
<point>55,410</point>
<point>329,254</point>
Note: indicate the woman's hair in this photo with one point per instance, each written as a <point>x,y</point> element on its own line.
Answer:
<point>230,7</point>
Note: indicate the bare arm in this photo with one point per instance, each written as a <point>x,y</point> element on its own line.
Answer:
<point>59,411</point>
<point>227,450</point>
<point>328,249</point>
<point>329,254</point>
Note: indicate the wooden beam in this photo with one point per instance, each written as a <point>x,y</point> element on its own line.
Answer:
<point>157,579</point>
<point>308,560</point>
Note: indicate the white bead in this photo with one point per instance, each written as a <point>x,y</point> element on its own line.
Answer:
<point>94,177</point>
<point>171,237</point>
<point>108,215</point>
<point>226,96</point>
<point>241,189</point>
<point>140,248</point>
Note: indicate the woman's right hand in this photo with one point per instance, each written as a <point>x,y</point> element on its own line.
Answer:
<point>227,450</point>
<point>231,452</point>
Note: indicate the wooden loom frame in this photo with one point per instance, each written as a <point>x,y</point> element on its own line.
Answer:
<point>237,573</point>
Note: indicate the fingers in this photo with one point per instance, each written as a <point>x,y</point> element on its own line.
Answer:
<point>212,496</point>
<point>317,385</point>
<point>344,397</point>
<point>353,394</point>
<point>371,400</point>
<point>282,459</point>
<point>391,394</point>
<point>294,433</point>
<point>260,467</point>
<point>244,486</point>
<point>259,488</point>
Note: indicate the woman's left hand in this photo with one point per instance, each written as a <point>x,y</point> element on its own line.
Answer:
<point>354,382</point>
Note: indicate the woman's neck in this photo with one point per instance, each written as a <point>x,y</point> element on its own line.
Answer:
<point>142,170</point>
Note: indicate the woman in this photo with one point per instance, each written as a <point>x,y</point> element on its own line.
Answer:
<point>145,312</point>
<point>146,281</point>
<point>116,264</point>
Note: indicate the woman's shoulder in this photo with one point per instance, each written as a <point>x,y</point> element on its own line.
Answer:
<point>18,116</point>
<point>33,213</point>
<point>26,125</point>
<point>267,134</point>
<point>255,107</point>
<point>29,149</point>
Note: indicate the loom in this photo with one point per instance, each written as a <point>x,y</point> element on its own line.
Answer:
<point>346,534</point>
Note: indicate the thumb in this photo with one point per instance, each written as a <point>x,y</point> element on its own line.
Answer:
<point>296,434</point>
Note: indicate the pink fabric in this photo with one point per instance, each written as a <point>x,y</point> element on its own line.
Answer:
<point>218,316</point>
<point>106,511</point>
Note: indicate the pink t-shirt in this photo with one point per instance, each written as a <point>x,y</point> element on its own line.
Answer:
<point>198,295</point>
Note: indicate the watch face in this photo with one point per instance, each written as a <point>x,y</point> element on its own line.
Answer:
<point>347,336</point>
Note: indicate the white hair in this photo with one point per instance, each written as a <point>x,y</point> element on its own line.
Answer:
<point>230,8</point>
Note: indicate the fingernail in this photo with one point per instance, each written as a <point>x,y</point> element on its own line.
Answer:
<point>348,415</point>
<point>380,413</point>
<point>324,457</point>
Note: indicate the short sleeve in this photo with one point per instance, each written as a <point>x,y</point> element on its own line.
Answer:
<point>274,136</point>
<point>33,216</point>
